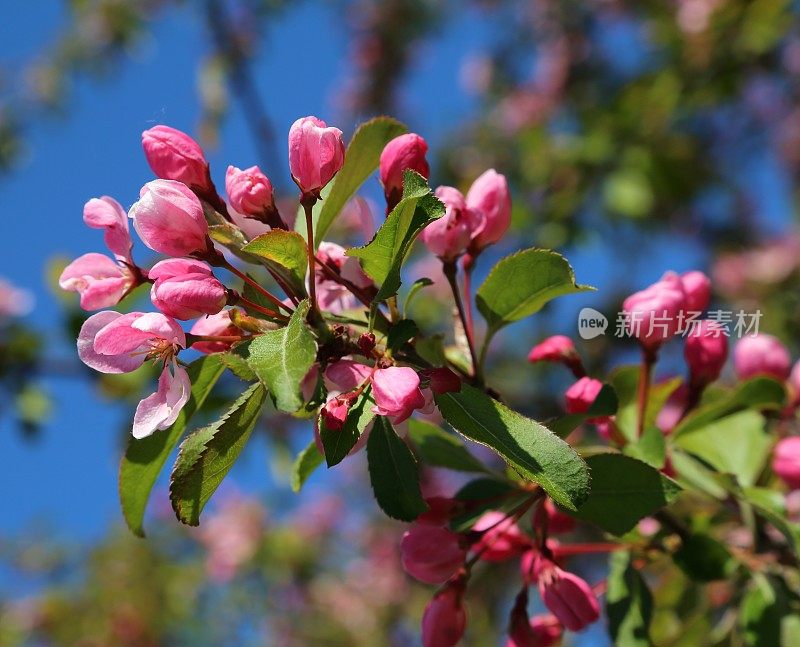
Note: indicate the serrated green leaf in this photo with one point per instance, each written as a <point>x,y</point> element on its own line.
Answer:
<point>438,448</point>
<point>207,455</point>
<point>360,161</point>
<point>521,284</point>
<point>285,253</point>
<point>400,333</point>
<point>306,462</point>
<point>393,473</point>
<point>629,603</point>
<point>383,257</point>
<point>624,491</point>
<point>338,444</point>
<point>530,448</point>
<point>238,365</point>
<point>144,458</point>
<point>281,358</point>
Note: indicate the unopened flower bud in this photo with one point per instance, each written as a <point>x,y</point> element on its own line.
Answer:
<point>186,289</point>
<point>173,155</point>
<point>406,152</point>
<point>432,554</point>
<point>706,350</point>
<point>316,153</point>
<point>489,197</point>
<point>761,354</point>
<point>444,620</point>
<point>786,461</point>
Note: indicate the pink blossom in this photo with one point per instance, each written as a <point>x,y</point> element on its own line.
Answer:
<point>250,193</point>
<point>581,395</point>
<point>334,413</point>
<point>169,219</point>
<point>705,350</point>
<point>449,236</point>
<point>108,214</point>
<point>348,266</point>
<point>431,554</point>
<point>159,410</point>
<point>316,153</point>
<point>186,289</point>
<point>173,155</point>
<point>444,620</point>
<point>794,383</point>
<point>100,281</point>
<point>331,295</point>
<point>557,522</point>
<point>396,392</point>
<point>557,348</point>
<point>786,461</point>
<point>14,302</point>
<point>761,354</point>
<point>568,597</point>
<point>489,197</point>
<point>231,535</point>
<point>345,375</point>
<point>672,411</point>
<point>356,216</point>
<point>653,313</point>
<point>502,538</point>
<point>697,288</point>
<point>406,152</point>
<point>216,325</point>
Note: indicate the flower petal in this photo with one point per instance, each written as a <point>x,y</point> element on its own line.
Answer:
<point>159,410</point>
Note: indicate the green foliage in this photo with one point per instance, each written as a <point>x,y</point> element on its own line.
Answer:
<point>626,382</point>
<point>650,448</point>
<point>436,447</point>
<point>629,603</point>
<point>281,358</point>
<point>393,473</point>
<point>531,449</point>
<point>304,465</point>
<point>144,458</point>
<point>384,255</point>
<point>400,333</point>
<point>624,491</point>
<point>360,161</point>
<point>338,444</point>
<point>704,559</point>
<point>207,455</point>
<point>285,253</point>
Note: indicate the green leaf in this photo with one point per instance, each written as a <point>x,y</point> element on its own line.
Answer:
<point>413,291</point>
<point>384,255</point>
<point>285,253</point>
<point>360,161</point>
<point>306,462</point>
<point>208,454</point>
<point>238,365</point>
<point>650,448</point>
<point>400,333</point>
<point>393,473</point>
<point>338,444</point>
<point>521,284</point>
<point>770,505</point>
<point>736,444</point>
<point>758,393</point>
<point>629,603</point>
<point>531,449</point>
<point>693,474</point>
<point>482,495</point>
<point>281,358</point>
<point>438,448</point>
<point>145,458</point>
<point>624,490</point>
<point>704,559</point>
<point>763,609</point>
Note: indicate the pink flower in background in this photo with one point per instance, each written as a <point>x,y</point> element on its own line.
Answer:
<point>316,153</point>
<point>107,214</point>
<point>786,461</point>
<point>186,289</point>
<point>430,553</point>
<point>345,375</point>
<point>14,302</point>
<point>173,155</point>
<point>169,219</point>
<point>216,325</point>
<point>705,350</point>
<point>396,392</point>
<point>231,535</point>
<point>672,411</point>
<point>356,216</point>
<point>331,295</point>
<point>761,354</point>
<point>444,620</point>
<point>489,196</point>
<point>449,236</point>
<point>101,282</point>
<point>697,288</point>
<point>581,395</point>
<point>406,152</point>
<point>653,313</point>
<point>557,522</point>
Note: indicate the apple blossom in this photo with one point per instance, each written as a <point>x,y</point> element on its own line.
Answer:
<point>173,155</point>
<point>186,289</point>
<point>316,153</point>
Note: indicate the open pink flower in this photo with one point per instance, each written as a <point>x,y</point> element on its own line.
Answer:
<point>169,219</point>
<point>173,155</point>
<point>489,196</point>
<point>316,153</point>
<point>449,236</point>
<point>101,282</point>
<point>217,325</point>
<point>110,342</point>
<point>186,289</point>
<point>396,392</point>
<point>107,214</point>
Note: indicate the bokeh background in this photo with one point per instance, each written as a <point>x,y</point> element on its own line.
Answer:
<point>638,137</point>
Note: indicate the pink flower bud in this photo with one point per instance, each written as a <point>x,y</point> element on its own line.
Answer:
<point>489,196</point>
<point>316,153</point>
<point>345,375</point>
<point>101,282</point>
<point>217,325</point>
<point>672,411</point>
<point>250,193</point>
<point>697,288</point>
<point>568,597</point>
<point>406,152</point>
<point>366,343</point>
<point>557,522</point>
<point>581,395</point>
<point>705,351</point>
<point>186,289</point>
<point>396,392</point>
<point>334,413</point>
<point>794,383</point>
<point>761,354</point>
<point>169,219</point>
<point>173,155</point>
<point>108,214</point>
<point>539,631</point>
<point>444,620</point>
<point>449,236</point>
<point>558,348</point>
<point>502,538</point>
<point>786,461</point>
<point>653,313</point>
<point>431,554</point>
<point>442,380</point>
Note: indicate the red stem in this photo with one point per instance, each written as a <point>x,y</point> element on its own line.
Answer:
<point>308,205</point>
<point>449,269</point>
<point>645,374</point>
<point>254,306</point>
<point>257,287</point>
